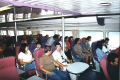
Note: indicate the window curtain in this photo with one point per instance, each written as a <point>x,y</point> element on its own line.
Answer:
<point>75,33</point>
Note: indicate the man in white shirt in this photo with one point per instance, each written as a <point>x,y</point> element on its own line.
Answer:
<point>61,43</point>
<point>61,59</point>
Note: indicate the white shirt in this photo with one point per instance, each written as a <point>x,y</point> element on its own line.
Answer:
<point>58,56</point>
<point>61,44</point>
<point>104,49</point>
<point>25,57</point>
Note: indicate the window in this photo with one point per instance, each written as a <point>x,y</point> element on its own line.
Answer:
<point>3,32</point>
<point>11,32</point>
<point>67,33</point>
<point>50,33</point>
<point>28,32</point>
<point>95,35</point>
<point>20,33</point>
<point>114,41</point>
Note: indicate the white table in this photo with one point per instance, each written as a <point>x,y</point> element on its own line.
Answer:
<point>77,68</point>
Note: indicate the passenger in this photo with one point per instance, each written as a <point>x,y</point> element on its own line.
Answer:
<point>106,47</point>
<point>47,36</point>
<point>47,65</point>
<point>34,39</point>
<point>61,59</point>
<point>112,67</point>
<point>39,36</point>
<point>88,39</point>
<point>85,50</point>
<point>99,51</point>
<point>117,51</point>
<point>51,40</point>
<point>70,38</point>
<point>68,52</point>
<point>62,43</point>
<point>25,57</point>
<point>10,50</point>
<point>38,46</point>
<point>24,41</point>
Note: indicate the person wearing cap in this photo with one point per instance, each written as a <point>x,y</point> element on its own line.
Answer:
<point>34,39</point>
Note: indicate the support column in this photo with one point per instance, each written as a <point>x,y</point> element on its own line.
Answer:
<point>63,34</point>
<point>15,24</point>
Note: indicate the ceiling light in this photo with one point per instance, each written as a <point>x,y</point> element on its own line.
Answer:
<point>5,8</point>
<point>105,3</point>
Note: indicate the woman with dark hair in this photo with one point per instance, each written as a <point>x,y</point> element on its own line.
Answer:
<point>70,38</point>
<point>68,52</point>
<point>99,51</point>
<point>25,57</point>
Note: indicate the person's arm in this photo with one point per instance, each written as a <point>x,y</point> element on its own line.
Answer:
<point>22,63</point>
<point>70,61</point>
<point>46,71</point>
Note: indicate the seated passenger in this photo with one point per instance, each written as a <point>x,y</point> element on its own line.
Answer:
<point>88,39</point>
<point>38,46</point>
<point>24,41</point>
<point>51,40</point>
<point>112,67</point>
<point>68,52</point>
<point>10,50</point>
<point>99,51</point>
<point>47,65</point>
<point>34,39</point>
<point>106,47</point>
<point>62,43</point>
<point>61,59</point>
<point>70,38</point>
<point>85,50</point>
<point>25,57</point>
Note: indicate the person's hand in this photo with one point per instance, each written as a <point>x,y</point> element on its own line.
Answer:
<point>50,73</point>
<point>71,62</point>
<point>84,55</point>
<point>65,65</point>
<point>61,67</point>
<point>30,61</point>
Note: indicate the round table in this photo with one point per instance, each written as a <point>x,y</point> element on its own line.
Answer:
<point>77,68</point>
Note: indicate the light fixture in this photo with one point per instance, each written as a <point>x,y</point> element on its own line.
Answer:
<point>5,8</point>
<point>105,3</point>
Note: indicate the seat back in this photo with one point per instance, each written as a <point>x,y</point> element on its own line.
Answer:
<point>17,50</point>
<point>32,47</point>
<point>17,43</point>
<point>8,70</point>
<point>56,41</point>
<point>94,44</point>
<point>53,48</point>
<point>43,41</point>
<point>103,65</point>
<point>37,54</point>
<point>4,47</point>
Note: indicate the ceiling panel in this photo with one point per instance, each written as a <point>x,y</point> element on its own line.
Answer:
<point>75,7</point>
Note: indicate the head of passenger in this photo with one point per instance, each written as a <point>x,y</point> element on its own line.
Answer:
<point>84,40</point>
<point>48,50</point>
<point>106,40</point>
<point>24,41</point>
<point>70,38</point>
<point>58,36</point>
<point>103,42</point>
<point>38,45</point>
<point>99,45</point>
<point>61,38</point>
<point>88,38</point>
<point>58,46</point>
<point>10,45</point>
<point>35,38</point>
<point>47,36</point>
<point>24,48</point>
<point>55,37</point>
<point>66,38</point>
<point>113,59</point>
<point>77,41</point>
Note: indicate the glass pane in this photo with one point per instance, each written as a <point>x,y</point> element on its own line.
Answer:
<point>11,32</point>
<point>3,32</point>
<point>50,33</point>
<point>67,33</point>
<point>114,41</point>
<point>95,35</point>
<point>20,32</point>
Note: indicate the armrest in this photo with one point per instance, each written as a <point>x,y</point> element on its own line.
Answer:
<point>43,73</point>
